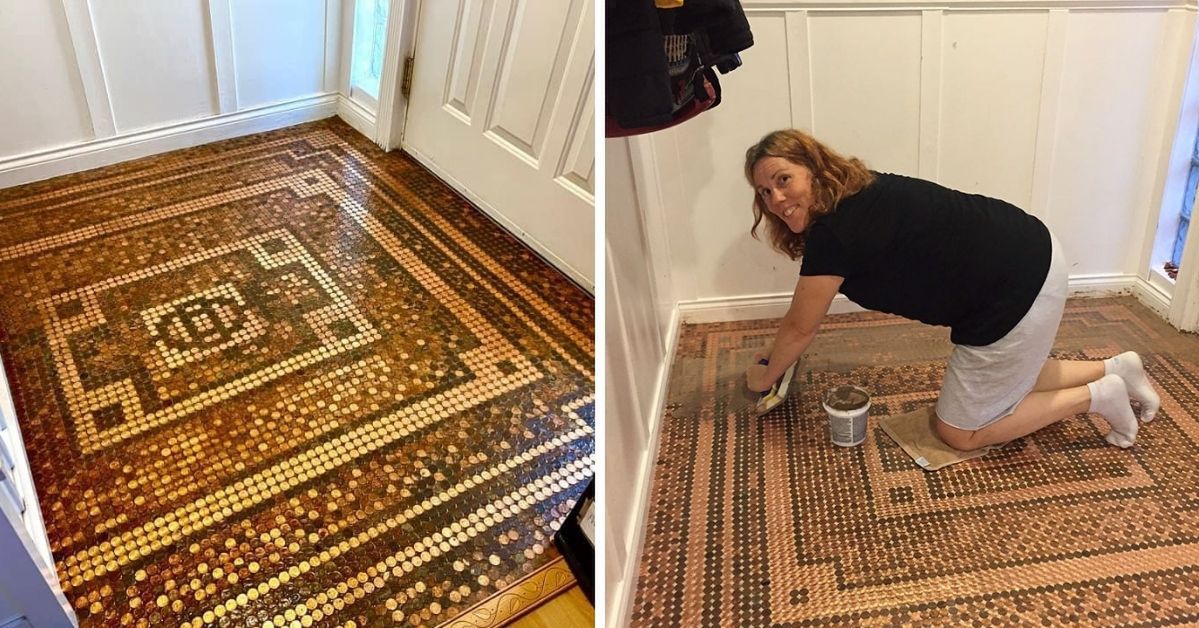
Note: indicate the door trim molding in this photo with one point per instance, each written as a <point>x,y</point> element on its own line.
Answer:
<point>402,18</point>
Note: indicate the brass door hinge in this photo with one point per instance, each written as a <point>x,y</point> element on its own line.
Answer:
<point>406,84</point>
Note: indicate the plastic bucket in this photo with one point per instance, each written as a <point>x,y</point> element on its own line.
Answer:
<point>847,408</point>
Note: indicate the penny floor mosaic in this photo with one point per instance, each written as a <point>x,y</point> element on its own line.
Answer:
<point>288,379</point>
<point>762,521</point>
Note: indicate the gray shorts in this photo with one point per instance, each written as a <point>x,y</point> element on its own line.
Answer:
<point>985,384</point>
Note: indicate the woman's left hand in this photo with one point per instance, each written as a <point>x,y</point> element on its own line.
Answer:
<point>755,378</point>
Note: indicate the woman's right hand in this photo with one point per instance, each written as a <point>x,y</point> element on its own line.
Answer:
<point>762,354</point>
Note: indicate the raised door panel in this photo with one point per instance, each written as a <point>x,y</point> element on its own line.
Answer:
<point>501,109</point>
<point>466,57</point>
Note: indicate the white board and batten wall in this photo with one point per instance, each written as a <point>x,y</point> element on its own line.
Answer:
<point>640,327</point>
<point>1071,109</point>
<point>88,83</point>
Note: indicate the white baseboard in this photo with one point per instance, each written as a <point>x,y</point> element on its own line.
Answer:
<point>1152,296</point>
<point>621,594</point>
<point>750,308</point>
<point>505,222</point>
<point>362,119</point>
<point>1108,285</point>
<point>104,152</point>
<point>755,307</point>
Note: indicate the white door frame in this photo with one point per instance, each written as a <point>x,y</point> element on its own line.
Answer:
<point>393,107</point>
<point>1184,303</point>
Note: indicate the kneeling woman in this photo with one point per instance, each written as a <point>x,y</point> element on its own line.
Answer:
<point>991,272</point>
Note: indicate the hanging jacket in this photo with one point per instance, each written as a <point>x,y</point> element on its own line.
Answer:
<point>660,62</point>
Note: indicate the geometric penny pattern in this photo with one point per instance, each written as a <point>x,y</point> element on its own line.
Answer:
<point>289,379</point>
<point>762,521</point>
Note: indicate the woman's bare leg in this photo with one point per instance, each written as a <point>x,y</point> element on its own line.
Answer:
<point>1038,410</point>
<point>1059,374</point>
<point>1108,397</point>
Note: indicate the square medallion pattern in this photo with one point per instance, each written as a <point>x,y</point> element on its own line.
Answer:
<point>286,380</point>
<point>762,521</point>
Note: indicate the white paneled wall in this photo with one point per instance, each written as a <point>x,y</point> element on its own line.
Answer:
<point>270,66</point>
<point>865,84</point>
<point>1104,138</point>
<point>43,101</point>
<point>87,83</point>
<point>1062,109</point>
<point>156,59</point>
<point>995,59</point>
<point>638,349</point>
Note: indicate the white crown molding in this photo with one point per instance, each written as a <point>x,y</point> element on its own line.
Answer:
<point>54,162</point>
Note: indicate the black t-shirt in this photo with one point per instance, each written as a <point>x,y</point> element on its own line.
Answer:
<point>914,248</point>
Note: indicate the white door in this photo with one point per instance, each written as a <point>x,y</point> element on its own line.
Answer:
<point>502,108</point>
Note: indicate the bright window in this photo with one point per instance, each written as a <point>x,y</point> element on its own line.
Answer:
<point>370,37</point>
<point>1188,204</point>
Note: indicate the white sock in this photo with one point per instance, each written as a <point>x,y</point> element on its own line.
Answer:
<point>1129,367</point>
<point>1109,397</point>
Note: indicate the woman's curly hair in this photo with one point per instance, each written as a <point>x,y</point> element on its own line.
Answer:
<point>833,178</point>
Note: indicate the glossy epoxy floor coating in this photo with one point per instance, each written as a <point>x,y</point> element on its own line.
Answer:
<point>288,379</point>
<point>764,522</point>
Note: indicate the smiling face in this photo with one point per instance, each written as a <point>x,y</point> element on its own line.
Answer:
<point>784,189</point>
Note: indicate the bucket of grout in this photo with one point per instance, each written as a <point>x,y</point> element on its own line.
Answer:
<point>847,408</point>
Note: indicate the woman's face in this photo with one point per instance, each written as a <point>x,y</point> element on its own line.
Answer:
<point>785,189</point>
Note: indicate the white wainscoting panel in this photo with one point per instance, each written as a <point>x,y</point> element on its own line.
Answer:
<point>43,102</point>
<point>279,49</point>
<point>224,66</point>
<point>87,83</point>
<point>157,59</point>
<point>1057,108</point>
<point>988,122</point>
<point>104,152</point>
<point>705,193</point>
<point>1102,135</point>
<point>866,86</point>
<point>638,363</point>
<point>82,34</point>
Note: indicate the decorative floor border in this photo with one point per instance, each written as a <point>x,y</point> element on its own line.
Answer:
<point>520,598</point>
